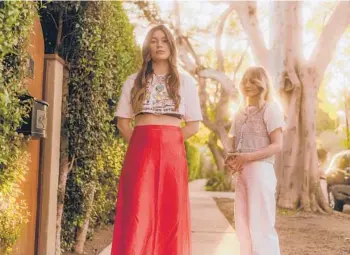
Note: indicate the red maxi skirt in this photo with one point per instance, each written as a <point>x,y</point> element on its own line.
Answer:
<point>152,214</point>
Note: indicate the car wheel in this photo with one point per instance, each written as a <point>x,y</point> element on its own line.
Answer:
<point>335,204</point>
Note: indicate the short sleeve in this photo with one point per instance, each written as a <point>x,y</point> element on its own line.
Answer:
<point>274,117</point>
<point>232,131</point>
<point>192,105</point>
<point>124,108</point>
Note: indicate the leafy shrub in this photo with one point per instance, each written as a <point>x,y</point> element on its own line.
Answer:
<point>218,181</point>
<point>16,19</point>
<point>193,161</point>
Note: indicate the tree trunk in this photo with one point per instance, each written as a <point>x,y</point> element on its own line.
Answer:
<point>217,152</point>
<point>287,163</point>
<point>298,174</point>
<point>62,181</point>
<point>59,31</point>
<point>297,171</point>
<point>82,230</point>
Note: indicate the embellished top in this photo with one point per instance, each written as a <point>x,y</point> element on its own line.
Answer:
<point>251,128</point>
<point>157,99</point>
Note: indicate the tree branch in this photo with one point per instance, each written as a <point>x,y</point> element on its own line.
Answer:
<point>217,152</point>
<point>177,17</point>
<point>191,50</point>
<point>247,12</point>
<point>203,97</point>
<point>286,48</point>
<point>184,45</point>
<point>240,62</point>
<point>293,42</point>
<point>226,83</point>
<point>330,36</point>
<point>219,54</point>
<point>190,64</point>
<point>150,12</point>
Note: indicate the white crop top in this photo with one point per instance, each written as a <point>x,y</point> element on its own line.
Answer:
<point>157,100</point>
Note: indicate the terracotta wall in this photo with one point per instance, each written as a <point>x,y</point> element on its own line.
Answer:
<point>26,242</point>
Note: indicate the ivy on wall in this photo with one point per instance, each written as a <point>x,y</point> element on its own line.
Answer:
<point>16,20</point>
<point>101,53</point>
<point>99,48</point>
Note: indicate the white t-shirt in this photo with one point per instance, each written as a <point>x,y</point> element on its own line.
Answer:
<point>157,100</point>
<point>252,131</point>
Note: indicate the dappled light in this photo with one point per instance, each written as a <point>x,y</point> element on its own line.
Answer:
<point>174,127</point>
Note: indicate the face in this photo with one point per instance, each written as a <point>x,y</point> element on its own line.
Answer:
<point>159,46</point>
<point>250,88</point>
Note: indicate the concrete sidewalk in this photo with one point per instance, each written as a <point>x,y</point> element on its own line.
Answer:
<point>211,232</point>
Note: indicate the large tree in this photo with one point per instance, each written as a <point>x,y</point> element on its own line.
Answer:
<point>295,78</point>
<point>299,80</point>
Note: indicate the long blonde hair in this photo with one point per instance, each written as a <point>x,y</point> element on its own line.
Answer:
<point>259,76</point>
<point>138,91</point>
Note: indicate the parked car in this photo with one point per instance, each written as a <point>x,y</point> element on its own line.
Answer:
<point>338,180</point>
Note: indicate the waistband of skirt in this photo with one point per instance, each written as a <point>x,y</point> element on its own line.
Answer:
<point>267,162</point>
<point>157,127</point>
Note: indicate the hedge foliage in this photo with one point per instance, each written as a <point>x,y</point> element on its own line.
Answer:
<point>16,19</point>
<point>101,56</point>
<point>193,161</point>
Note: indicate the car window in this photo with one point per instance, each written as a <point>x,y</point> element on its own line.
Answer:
<point>347,161</point>
<point>337,162</point>
<point>343,161</point>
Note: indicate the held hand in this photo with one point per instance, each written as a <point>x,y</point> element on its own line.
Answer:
<point>229,159</point>
<point>235,167</point>
<point>242,158</point>
<point>232,164</point>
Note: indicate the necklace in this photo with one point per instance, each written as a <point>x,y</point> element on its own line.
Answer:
<point>251,110</point>
<point>160,78</point>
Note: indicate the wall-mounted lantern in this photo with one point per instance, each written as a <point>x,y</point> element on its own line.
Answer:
<point>35,124</point>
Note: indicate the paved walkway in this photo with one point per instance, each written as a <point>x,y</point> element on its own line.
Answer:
<point>211,232</point>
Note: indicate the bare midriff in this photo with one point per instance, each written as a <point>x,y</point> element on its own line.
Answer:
<point>153,119</point>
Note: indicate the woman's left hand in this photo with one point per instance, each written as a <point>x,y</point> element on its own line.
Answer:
<point>242,158</point>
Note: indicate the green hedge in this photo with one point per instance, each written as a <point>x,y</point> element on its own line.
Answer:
<point>103,56</point>
<point>193,161</point>
<point>16,19</point>
<point>218,181</point>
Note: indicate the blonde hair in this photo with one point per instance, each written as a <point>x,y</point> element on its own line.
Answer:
<point>138,91</point>
<point>259,76</point>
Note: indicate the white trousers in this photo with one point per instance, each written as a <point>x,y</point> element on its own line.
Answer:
<point>255,210</point>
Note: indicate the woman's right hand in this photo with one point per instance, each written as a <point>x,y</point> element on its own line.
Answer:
<point>233,165</point>
<point>123,125</point>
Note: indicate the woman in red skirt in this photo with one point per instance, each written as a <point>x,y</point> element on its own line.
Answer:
<point>152,214</point>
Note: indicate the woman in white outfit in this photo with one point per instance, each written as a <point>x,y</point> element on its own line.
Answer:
<point>256,133</point>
